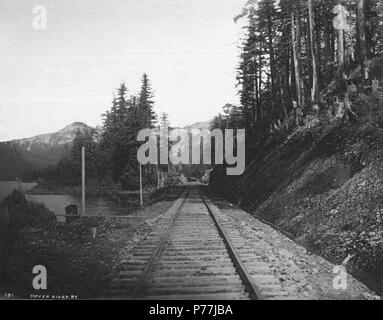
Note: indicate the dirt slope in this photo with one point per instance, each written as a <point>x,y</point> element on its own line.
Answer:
<point>323,184</point>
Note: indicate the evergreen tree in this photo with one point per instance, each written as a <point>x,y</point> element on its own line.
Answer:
<point>305,41</point>
<point>145,104</point>
<point>69,168</point>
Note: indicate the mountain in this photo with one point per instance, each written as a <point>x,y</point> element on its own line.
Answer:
<point>39,152</point>
<point>199,125</point>
<point>61,137</point>
<point>24,157</point>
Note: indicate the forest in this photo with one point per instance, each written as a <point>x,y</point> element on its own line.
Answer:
<point>300,62</point>
<point>310,81</point>
<point>302,59</point>
<point>112,158</point>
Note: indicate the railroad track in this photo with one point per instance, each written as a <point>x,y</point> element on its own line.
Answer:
<point>194,253</point>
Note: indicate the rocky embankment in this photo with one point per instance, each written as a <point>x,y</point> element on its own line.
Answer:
<point>300,273</point>
<point>322,184</point>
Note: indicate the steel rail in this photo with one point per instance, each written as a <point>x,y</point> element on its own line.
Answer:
<point>250,286</point>
<point>165,235</point>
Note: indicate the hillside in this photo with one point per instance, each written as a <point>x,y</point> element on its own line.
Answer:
<point>321,184</point>
<point>36,153</point>
<point>199,125</point>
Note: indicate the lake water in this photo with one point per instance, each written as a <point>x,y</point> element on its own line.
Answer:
<point>6,188</point>
<point>94,205</point>
<point>57,203</point>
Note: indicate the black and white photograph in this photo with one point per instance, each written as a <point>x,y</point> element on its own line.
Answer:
<point>171,151</point>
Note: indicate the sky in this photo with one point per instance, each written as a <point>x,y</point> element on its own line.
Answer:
<point>67,72</point>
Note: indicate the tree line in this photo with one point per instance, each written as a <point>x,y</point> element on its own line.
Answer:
<point>112,157</point>
<point>298,56</point>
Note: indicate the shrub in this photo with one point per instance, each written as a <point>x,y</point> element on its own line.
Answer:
<point>27,214</point>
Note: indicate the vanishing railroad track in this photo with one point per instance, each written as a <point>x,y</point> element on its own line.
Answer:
<point>194,253</point>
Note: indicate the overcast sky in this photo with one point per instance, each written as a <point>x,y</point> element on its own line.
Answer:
<point>66,73</point>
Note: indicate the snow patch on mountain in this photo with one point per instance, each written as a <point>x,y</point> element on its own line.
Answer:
<point>61,137</point>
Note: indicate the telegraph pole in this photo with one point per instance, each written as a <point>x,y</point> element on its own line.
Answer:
<point>83,180</point>
<point>141,196</point>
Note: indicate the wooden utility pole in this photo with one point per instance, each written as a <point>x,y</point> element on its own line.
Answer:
<point>83,180</point>
<point>141,196</point>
